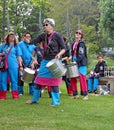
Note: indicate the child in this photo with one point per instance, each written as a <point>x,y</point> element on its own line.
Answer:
<point>93,80</point>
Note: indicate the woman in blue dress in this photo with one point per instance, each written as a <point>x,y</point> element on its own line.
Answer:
<point>14,60</point>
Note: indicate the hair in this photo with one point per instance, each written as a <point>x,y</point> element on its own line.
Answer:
<point>28,33</point>
<point>7,38</point>
<point>100,55</point>
<point>64,38</point>
<point>49,21</point>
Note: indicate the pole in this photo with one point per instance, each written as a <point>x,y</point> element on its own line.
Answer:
<point>3,20</point>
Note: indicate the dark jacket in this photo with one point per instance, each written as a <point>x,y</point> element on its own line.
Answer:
<point>81,54</point>
<point>99,68</point>
<point>53,46</point>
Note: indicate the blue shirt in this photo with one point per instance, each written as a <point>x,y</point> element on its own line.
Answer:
<point>14,53</point>
<point>27,50</point>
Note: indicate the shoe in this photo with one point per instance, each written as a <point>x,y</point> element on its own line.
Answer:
<point>89,91</point>
<point>54,105</point>
<point>2,99</point>
<point>95,91</point>
<point>75,97</point>
<point>70,94</point>
<point>85,98</point>
<point>20,94</point>
<point>30,102</point>
<point>15,98</point>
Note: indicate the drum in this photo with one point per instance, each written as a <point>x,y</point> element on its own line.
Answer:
<point>72,71</point>
<point>28,75</point>
<point>56,68</point>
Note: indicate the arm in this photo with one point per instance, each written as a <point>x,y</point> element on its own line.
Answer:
<point>20,63</point>
<point>81,51</point>
<point>33,58</point>
<point>38,39</point>
<point>60,54</point>
<point>61,44</point>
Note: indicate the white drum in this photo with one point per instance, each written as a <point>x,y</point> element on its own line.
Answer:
<point>56,68</point>
<point>28,75</point>
<point>72,71</point>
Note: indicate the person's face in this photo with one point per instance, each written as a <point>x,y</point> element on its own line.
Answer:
<point>78,35</point>
<point>47,27</point>
<point>11,38</point>
<point>28,36</point>
<point>100,59</point>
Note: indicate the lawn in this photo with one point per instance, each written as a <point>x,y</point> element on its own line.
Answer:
<point>73,114</point>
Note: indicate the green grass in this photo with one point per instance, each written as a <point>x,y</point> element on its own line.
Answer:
<point>73,114</point>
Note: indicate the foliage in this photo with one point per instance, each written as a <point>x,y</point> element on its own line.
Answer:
<point>106,24</point>
<point>92,48</point>
<point>23,15</point>
<point>79,13</point>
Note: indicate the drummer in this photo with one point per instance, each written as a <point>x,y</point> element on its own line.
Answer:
<point>54,47</point>
<point>79,56</point>
<point>27,49</point>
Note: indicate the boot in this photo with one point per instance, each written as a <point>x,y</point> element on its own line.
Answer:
<point>3,95</point>
<point>69,90</point>
<point>15,94</point>
<point>36,95</point>
<point>55,98</point>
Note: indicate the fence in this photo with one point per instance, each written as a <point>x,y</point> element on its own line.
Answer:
<point>109,71</point>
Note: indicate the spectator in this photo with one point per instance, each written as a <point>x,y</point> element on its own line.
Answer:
<point>93,80</point>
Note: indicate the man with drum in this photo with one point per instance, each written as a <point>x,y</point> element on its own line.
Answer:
<point>27,49</point>
<point>54,47</point>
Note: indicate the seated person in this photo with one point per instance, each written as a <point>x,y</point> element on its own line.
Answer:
<point>93,80</point>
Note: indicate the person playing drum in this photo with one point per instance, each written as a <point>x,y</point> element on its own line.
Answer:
<point>54,47</point>
<point>79,56</point>
<point>27,50</point>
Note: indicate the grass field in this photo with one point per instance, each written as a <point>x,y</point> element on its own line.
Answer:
<point>73,114</point>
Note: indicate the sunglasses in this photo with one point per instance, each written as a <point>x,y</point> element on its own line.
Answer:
<point>11,35</point>
<point>45,24</point>
<point>78,33</point>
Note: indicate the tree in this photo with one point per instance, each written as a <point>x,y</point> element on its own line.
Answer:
<point>80,12</point>
<point>106,25</point>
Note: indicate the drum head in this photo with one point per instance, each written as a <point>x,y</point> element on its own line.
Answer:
<point>30,71</point>
<point>50,63</point>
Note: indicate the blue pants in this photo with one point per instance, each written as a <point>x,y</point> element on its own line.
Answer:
<point>13,73</point>
<point>93,83</point>
<point>54,93</point>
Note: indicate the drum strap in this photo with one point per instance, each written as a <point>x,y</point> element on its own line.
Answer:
<point>48,39</point>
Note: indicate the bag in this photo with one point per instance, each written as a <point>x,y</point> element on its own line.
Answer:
<point>3,64</point>
<point>104,89</point>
